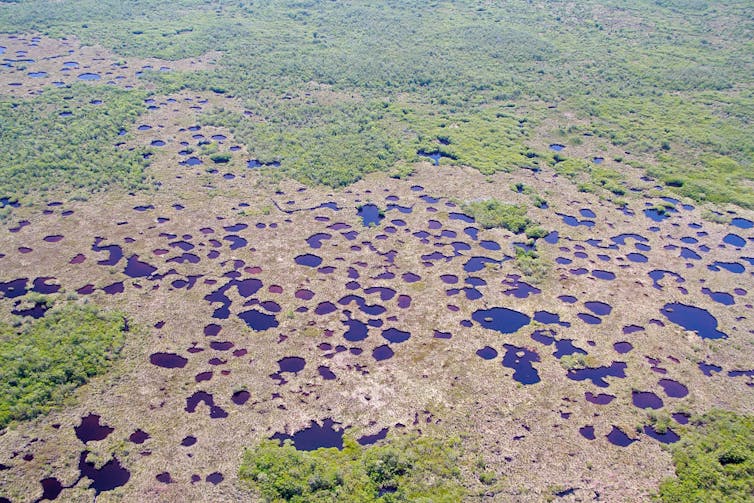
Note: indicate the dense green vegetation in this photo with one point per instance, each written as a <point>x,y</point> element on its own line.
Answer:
<point>41,150</point>
<point>43,361</point>
<point>410,468</point>
<point>338,90</point>
<point>490,213</point>
<point>714,461</point>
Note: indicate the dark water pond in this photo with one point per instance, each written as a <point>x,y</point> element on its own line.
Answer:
<point>520,360</point>
<point>487,353</point>
<point>89,76</point>
<point>619,438</point>
<point>646,400</point>
<point>315,436</point>
<point>599,399</point>
<point>742,223</point>
<point>667,437</point>
<point>372,439</point>
<point>693,318</point>
<point>382,353</point>
<point>598,374</point>
<point>257,320</point>
<point>168,360</point>
<point>734,240</point>
<point>91,430</point>
<point>51,488</point>
<point>308,260</point>
<point>501,319</point>
<point>435,155</point>
<point>370,215</point>
<point>110,476</point>
<point>673,389</point>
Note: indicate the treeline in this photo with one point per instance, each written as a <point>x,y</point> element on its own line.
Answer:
<point>668,81</point>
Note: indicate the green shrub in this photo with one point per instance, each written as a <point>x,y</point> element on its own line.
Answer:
<point>220,158</point>
<point>42,151</point>
<point>42,362</point>
<point>714,461</point>
<point>491,213</point>
<point>407,468</point>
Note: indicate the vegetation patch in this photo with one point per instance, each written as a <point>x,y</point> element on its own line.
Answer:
<point>407,468</point>
<point>714,461</point>
<point>42,150</point>
<point>492,213</point>
<point>43,362</point>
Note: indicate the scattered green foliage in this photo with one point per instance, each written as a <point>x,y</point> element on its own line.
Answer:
<point>531,264</point>
<point>669,81</point>
<point>41,150</point>
<point>409,468</point>
<point>714,460</point>
<point>42,362</point>
<point>491,213</point>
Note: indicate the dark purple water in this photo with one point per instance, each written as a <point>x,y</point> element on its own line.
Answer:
<point>51,488</point>
<point>370,215</point>
<point>382,353</point>
<point>372,439</point>
<point>308,260</point>
<point>723,298</point>
<point>164,478</point>
<point>168,360</point>
<point>599,308</point>
<point>91,430</point>
<point>630,329</point>
<point>41,285</point>
<point>742,223</point>
<point>240,397</point>
<point>599,399</point>
<point>487,353</point>
<point>326,373</point>
<point>257,320</point>
<point>549,318</point>
<point>395,336</point>
<point>693,318</point>
<point>604,275</point>
<point>589,319</point>
<point>357,330</point>
<point>324,308</point>
<point>198,397</point>
<point>598,374</point>
<point>646,400</point>
<point>214,478</point>
<point>315,240</point>
<point>315,436</point>
<point>733,267</point>
<point>673,389</point>
<point>139,437</point>
<point>587,432</point>
<point>520,360</point>
<point>501,319</point>
<point>619,438</point>
<point>110,476</point>
<point>114,289</point>
<point>681,417</point>
<point>623,347</point>
<point>668,437</point>
<point>292,364</point>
